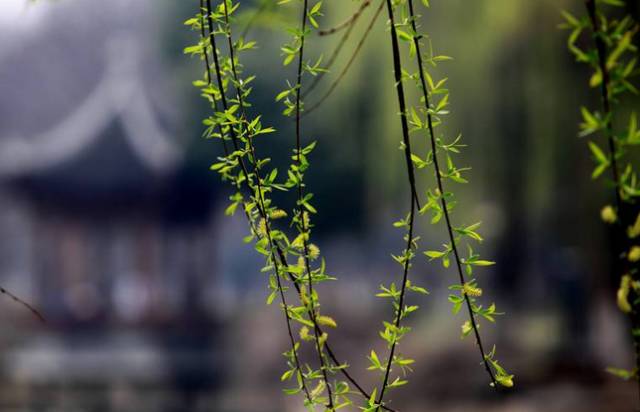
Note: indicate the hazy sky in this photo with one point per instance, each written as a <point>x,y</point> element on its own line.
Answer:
<point>20,14</point>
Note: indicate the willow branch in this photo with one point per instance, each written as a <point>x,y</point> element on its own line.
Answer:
<point>262,208</point>
<point>445,206</point>
<point>604,91</point>
<point>334,55</point>
<point>397,71</point>
<point>620,238</point>
<point>282,256</point>
<point>347,23</point>
<point>352,59</point>
<point>205,53</point>
<point>303,223</point>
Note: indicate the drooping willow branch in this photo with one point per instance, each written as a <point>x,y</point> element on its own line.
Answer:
<point>620,243</point>
<point>348,23</point>
<point>613,58</point>
<point>301,221</point>
<point>443,199</point>
<point>260,195</point>
<point>411,242</point>
<point>332,59</point>
<point>234,125</point>
<point>601,48</point>
<point>345,70</point>
<point>258,191</point>
<point>397,71</point>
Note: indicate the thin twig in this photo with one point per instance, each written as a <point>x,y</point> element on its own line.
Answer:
<point>205,52</point>
<point>332,59</point>
<point>303,224</point>
<point>16,299</point>
<point>263,7</point>
<point>445,206</point>
<point>263,209</point>
<point>604,89</point>
<point>345,70</point>
<point>347,23</point>
<point>278,249</point>
<point>397,71</point>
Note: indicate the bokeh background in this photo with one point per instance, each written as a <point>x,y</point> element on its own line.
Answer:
<point>112,225</point>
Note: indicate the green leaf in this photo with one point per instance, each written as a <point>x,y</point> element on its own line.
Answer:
<point>482,263</point>
<point>434,254</point>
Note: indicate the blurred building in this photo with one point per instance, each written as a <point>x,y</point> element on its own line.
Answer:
<point>92,168</point>
<point>105,227</point>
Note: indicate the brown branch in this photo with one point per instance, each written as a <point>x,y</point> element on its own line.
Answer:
<point>348,22</point>
<point>345,70</point>
<point>334,55</point>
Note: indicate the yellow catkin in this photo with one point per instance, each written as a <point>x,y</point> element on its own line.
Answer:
<point>298,242</point>
<point>306,219</point>
<point>304,296</point>
<point>623,294</point>
<point>304,333</point>
<point>634,254</point>
<point>466,328</point>
<point>323,338</point>
<point>471,290</point>
<point>314,251</point>
<point>608,214</point>
<point>278,214</point>
<point>262,228</point>
<point>634,231</point>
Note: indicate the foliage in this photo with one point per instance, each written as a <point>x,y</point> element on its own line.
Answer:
<point>326,382</point>
<point>425,119</point>
<point>612,57</point>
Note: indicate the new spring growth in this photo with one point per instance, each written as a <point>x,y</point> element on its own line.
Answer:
<point>278,214</point>
<point>634,254</point>
<point>253,180</point>
<point>425,120</point>
<point>608,214</point>
<point>612,56</point>
<point>623,294</point>
<point>501,376</point>
<point>241,165</point>
<point>471,290</point>
<point>634,231</point>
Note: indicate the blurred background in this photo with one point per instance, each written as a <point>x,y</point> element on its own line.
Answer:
<point>113,226</point>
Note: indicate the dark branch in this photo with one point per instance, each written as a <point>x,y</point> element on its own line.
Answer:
<point>16,299</point>
<point>303,225</point>
<point>397,71</point>
<point>445,206</point>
